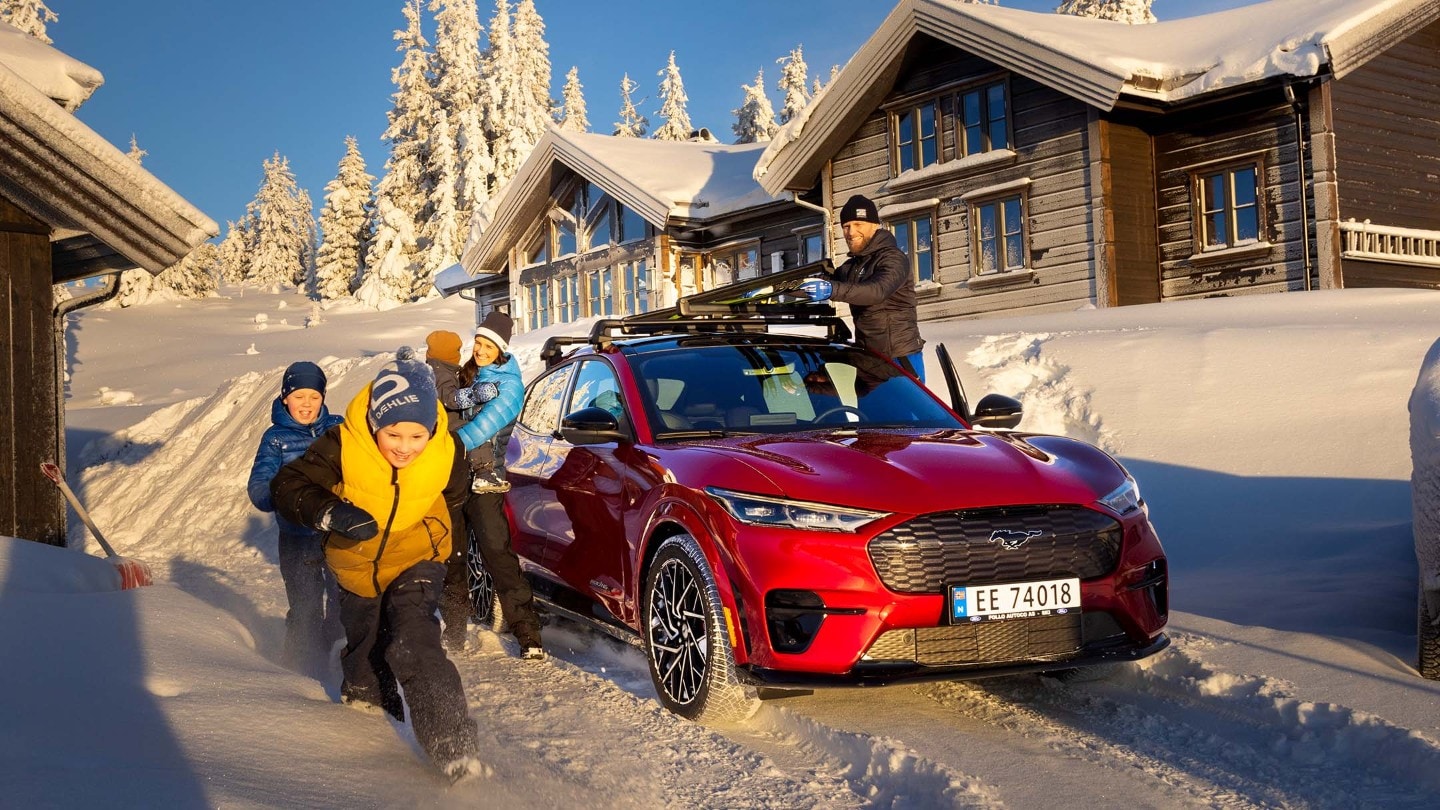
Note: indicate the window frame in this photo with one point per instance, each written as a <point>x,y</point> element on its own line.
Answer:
<point>987,120</point>
<point>1200,216</point>
<point>905,223</point>
<point>914,112</point>
<point>951,136</point>
<point>999,200</point>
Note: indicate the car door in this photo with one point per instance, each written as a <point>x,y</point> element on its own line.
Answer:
<point>530,461</point>
<point>592,484</point>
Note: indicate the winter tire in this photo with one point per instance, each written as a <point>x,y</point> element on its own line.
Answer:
<point>1428,636</point>
<point>687,642</point>
<point>484,601</point>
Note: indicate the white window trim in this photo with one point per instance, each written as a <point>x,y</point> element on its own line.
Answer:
<point>949,168</point>
<point>900,209</point>
<point>995,190</point>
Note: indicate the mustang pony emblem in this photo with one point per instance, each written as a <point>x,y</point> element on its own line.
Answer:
<point>1013,539</point>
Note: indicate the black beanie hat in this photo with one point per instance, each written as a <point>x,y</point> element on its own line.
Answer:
<point>859,209</point>
<point>303,374</point>
<point>496,328</point>
<point>403,391</point>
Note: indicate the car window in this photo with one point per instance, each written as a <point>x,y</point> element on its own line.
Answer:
<point>541,413</point>
<point>596,386</point>
<point>772,389</point>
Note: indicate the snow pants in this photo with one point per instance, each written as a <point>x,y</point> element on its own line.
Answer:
<point>485,515</point>
<point>395,638</point>
<point>312,622</point>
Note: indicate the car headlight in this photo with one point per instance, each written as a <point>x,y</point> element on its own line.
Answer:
<point>1124,499</point>
<point>759,510</point>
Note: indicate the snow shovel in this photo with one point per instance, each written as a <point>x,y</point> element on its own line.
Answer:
<point>133,573</point>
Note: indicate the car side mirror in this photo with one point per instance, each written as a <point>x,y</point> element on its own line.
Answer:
<point>998,411</point>
<point>591,426</point>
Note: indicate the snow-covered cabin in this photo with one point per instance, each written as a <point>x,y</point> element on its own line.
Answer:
<point>595,225</point>
<point>72,206</point>
<point>1037,162</point>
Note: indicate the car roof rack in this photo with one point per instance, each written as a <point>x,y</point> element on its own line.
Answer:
<point>751,305</point>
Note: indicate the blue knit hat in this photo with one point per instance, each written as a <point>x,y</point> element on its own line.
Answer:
<point>303,374</point>
<point>403,391</point>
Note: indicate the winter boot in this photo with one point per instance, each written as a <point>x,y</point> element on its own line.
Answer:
<point>527,635</point>
<point>463,769</point>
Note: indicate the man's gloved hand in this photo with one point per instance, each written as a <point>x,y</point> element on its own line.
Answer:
<point>817,288</point>
<point>348,520</point>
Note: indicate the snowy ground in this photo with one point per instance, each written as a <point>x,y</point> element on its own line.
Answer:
<point>1268,434</point>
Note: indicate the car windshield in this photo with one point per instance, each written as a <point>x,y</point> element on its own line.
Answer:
<point>719,388</point>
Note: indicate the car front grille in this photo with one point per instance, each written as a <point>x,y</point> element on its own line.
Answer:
<point>991,642</point>
<point>969,547</point>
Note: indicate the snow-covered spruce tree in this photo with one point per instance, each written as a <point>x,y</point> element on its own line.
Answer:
<point>440,227</point>
<point>231,257</point>
<point>459,85</point>
<point>344,227</point>
<point>755,119</point>
<point>793,72</point>
<point>573,116</point>
<point>280,241</point>
<point>307,254</point>
<point>30,16</point>
<point>519,62</point>
<point>631,124</point>
<point>194,276</point>
<point>672,105</point>
<point>136,153</point>
<point>393,274</point>
<point>1134,12</point>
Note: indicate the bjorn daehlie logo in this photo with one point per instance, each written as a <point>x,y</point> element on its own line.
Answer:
<point>388,392</point>
<point>1012,538</point>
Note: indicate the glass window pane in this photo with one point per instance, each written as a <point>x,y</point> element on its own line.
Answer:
<point>1012,215</point>
<point>1215,230</point>
<point>565,243</point>
<point>986,254</point>
<point>1213,193</point>
<point>1245,187</point>
<point>905,142</point>
<point>642,286</point>
<point>902,235</point>
<point>924,267</point>
<point>600,231</point>
<point>922,234</point>
<point>1014,257</point>
<point>632,225</point>
<point>970,108</point>
<point>1247,224</point>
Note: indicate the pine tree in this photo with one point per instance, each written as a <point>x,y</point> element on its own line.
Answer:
<point>755,119</point>
<point>392,266</point>
<point>672,105</point>
<point>792,83</point>
<point>29,16</point>
<point>1134,12</point>
<point>280,239</point>
<point>231,257</point>
<point>573,117</point>
<point>519,64</point>
<point>440,228</point>
<point>631,124</point>
<point>344,227</point>
<point>136,153</point>
<point>459,87</point>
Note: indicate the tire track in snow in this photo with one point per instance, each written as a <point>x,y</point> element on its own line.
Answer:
<point>1215,739</point>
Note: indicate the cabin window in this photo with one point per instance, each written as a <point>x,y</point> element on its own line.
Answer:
<point>632,226</point>
<point>998,234</point>
<point>636,279</point>
<point>569,294</point>
<point>597,216</point>
<point>915,129</point>
<point>601,302</point>
<point>916,238</point>
<point>812,246</point>
<point>983,120</point>
<point>737,264</point>
<point>538,297</point>
<point>1227,203</point>
<point>538,251</point>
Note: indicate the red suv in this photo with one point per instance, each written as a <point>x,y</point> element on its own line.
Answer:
<point>761,510</point>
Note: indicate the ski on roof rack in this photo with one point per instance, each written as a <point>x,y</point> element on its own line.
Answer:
<point>751,305</point>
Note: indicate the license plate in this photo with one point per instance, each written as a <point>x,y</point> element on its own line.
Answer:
<point>1016,600</point>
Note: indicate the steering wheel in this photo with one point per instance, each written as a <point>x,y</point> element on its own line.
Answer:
<point>840,409</point>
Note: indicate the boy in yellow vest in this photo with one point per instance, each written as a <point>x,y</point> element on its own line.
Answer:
<point>382,486</point>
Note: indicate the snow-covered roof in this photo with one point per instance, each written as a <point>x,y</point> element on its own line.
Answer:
<point>1100,61</point>
<point>66,80</point>
<point>64,174</point>
<point>659,180</point>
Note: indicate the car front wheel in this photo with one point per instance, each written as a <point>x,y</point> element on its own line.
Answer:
<point>687,642</point>
<point>1429,638</point>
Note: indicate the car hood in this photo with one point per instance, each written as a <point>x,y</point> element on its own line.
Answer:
<point>911,470</point>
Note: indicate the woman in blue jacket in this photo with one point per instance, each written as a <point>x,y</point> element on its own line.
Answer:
<point>497,390</point>
<point>298,416</point>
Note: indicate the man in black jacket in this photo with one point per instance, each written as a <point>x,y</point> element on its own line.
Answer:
<point>875,281</point>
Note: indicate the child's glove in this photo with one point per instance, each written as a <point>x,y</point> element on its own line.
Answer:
<point>478,393</point>
<point>348,520</point>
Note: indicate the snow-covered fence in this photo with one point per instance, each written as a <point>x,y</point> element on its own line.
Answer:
<point>1380,243</point>
<point>1425,505</point>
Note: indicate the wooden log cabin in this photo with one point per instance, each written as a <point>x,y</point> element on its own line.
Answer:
<point>1035,162</point>
<point>72,206</point>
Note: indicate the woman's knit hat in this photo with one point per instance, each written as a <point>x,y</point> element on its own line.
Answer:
<point>496,328</point>
<point>403,391</point>
<point>303,374</point>
<point>443,345</point>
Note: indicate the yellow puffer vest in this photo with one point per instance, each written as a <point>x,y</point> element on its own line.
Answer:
<point>408,504</point>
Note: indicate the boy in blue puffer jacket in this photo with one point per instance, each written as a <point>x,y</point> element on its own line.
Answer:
<point>494,386</point>
<point>298,416</point>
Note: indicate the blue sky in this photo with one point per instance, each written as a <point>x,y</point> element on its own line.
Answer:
<point>211,89</point>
